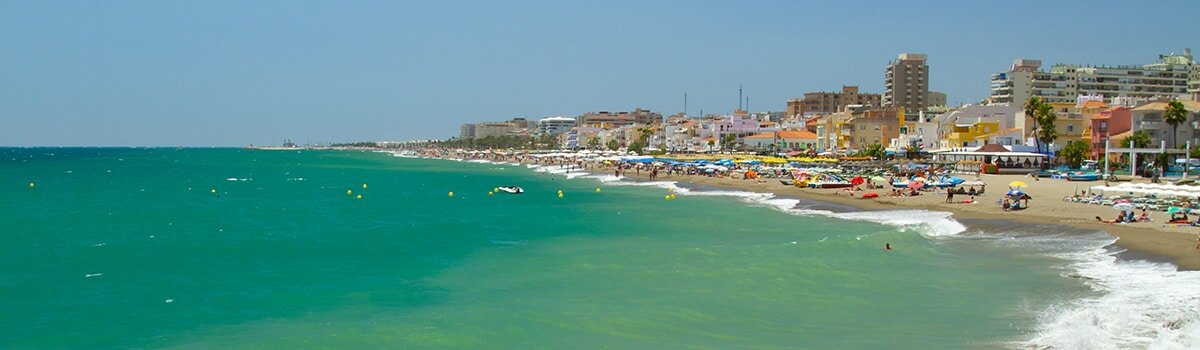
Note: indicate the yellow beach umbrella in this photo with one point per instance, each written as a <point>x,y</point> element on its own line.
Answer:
<point>1018,184</point>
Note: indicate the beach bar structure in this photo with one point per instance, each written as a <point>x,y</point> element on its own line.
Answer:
<point>1133,154</point>
<point>1006,161</point>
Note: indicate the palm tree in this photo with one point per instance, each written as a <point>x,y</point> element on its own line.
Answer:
<point>1032,108</point>
<point>728,141</point>
<point>1045,118</point>
<point>1175,115</point>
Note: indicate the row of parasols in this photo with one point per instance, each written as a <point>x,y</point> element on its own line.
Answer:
<point>1158,190</point>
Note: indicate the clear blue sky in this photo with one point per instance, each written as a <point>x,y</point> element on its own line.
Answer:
<point>167,73</point>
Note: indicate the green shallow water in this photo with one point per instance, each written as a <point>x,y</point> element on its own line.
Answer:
<point>279,262</point>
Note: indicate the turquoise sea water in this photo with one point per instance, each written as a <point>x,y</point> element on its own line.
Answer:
<point>131,248</point>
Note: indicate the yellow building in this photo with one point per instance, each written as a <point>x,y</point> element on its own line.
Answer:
<point>831,133</point>
<point>968,135</point>
<point>867,127</point>
<point>1069,123</point>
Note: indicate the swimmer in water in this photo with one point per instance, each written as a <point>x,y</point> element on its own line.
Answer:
<point>887,246</point>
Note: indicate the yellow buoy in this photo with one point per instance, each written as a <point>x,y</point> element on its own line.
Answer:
<point>360,196</point>
<point>667,197</point>
<point>31,185</point>
<point>490,193</point>
<point>451,194</point>
<point>364,185</point>
<point>349,192</point>
<point>597,190</point>
<point>212,191</point>
<point>560,195</point>
<point>495,189</point>
<point>673,196</point>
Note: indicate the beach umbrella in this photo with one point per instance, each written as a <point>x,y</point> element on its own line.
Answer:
<point>1018,184</point>
<point>916,185</point>
<point>918,179</point>
<point>1015,193</point>
<point>857,180</point>
<point>1123,206</point>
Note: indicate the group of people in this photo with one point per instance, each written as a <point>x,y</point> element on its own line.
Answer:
<point>950,192</point>
<point>1128,217</point>
<point>1015,202</point>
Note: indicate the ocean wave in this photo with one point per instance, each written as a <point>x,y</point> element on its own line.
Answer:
<point>1139,305</point>
<point>924,222</point>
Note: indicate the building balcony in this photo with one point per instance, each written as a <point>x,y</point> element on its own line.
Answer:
<point>1150,125</point>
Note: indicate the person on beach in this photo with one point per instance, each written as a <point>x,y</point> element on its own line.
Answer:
<point>1118,220</point>
<point>949,196</point>
<point>1145,217</point>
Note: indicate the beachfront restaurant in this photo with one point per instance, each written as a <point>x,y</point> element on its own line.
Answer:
<point>1007,162</point>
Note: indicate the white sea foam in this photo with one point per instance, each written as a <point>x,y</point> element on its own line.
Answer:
<point>1138,305</point>
<point>603,178</point>
<point>927,223</point>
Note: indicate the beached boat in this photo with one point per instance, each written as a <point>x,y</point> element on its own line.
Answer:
<point>832,184</point>
<point>825,180</point>
<point>1082,176</point>
<point>511,189</point>
<point>945,181</point>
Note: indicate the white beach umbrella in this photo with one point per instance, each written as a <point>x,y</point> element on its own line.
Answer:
<point>1123,206</point>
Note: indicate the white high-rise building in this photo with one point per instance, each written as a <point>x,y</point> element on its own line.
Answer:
<point>554,125</point>
<point>1172,76</point>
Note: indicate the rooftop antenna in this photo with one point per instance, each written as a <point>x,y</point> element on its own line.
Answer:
<point>747,104</point>
<point>685,103</point>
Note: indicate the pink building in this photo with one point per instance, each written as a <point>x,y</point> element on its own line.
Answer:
<point>1109,124</point>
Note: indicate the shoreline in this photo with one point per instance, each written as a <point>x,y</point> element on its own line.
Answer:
<point>1140,242</point>
<point>1152,242</point>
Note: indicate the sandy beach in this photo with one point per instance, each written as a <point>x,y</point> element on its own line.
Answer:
<point>1174,243</point>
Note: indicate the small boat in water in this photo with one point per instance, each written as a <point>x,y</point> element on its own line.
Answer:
<point>511,189</point>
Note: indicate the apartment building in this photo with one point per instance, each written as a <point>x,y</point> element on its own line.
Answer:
<point>824,103</point>
<point>1149,117</point>
<point>1172,76</point>
<point>466,131</point>
<point>1111,124</point>
<point>605,119</point>
<point>870,126</point>
<point>554,125</point>
<point>906,83</point>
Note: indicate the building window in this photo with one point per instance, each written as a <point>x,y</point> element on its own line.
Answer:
<point>1070,128</point>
